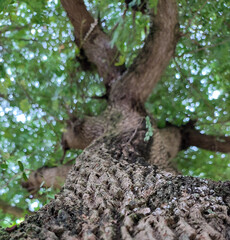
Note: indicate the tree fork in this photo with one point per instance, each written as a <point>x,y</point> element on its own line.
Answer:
<point>159,150</point>
<point>149,65</point>
<point>94,42</point>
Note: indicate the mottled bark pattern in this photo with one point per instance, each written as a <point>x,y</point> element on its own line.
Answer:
<point>112,193</point>
<point>104,198</point>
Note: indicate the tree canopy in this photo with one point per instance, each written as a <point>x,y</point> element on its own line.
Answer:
<point>43,82</point>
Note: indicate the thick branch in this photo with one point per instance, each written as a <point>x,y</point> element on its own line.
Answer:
<point>81,132</point>
<point>163,146</point>
<point>94,42</point>
<point>5,97</point>
<point>147,69</point>
<point>180,138</point>
<point>16,211</point>
<point>47,177</point>
<point>192,137</point>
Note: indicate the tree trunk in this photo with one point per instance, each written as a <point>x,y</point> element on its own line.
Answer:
<point>112,193</point>
<point>123,185</point>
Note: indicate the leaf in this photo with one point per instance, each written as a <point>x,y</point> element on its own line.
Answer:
<point>115,37</point>
<point>4,4</point>
<point>149,127</point>
<point>5,155</point>
<point>25,105</point>
<point>55,105</point>
<point>24,176</point>
<point>3,166</point>
<point>134,2</point>
<point>121,61</point>
<point>23,83</point>
<point>153,4</point>
<point>77,51</point>
<point>21,167</point>
<point>3,89</point>
<point>7,82</point>
<point>117,32</point>
<point>41,185</point>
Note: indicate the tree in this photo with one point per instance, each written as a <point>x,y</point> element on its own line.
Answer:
<point>123,185</point>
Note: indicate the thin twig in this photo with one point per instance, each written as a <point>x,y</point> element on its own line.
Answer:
<point>203,48</point>
<point>194,15</point>
<point>185,77</point>
<point>31,101</point>
<point>5,97</point>
<point>15,28</point>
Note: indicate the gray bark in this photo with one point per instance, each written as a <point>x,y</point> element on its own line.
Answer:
<point>112,193</point>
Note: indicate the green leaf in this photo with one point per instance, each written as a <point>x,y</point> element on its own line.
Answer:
<point>25,105</point>
<point>3,166</point>
<point>5,155</point>
<point>5,84</point>
<point>149,128</point>
<point>77,51</point>
<point>4,4</point>
<point>21,167</point>
<point>153,4</point>
<point>121,61</point>
<point>3,89</point>
<point>55,105</point>
<point>23,83</point>
<point>24,176</point>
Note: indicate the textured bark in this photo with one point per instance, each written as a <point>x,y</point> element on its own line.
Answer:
<point>170,140</point>
<point>112,193</point>
<point>106,198</point>
<point>81,133</point>
<point>164,144</point>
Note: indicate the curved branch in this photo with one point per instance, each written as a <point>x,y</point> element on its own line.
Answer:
<point>15,211</point>
<point>48,176</point>
<point>189,136</point>
<point>147,69</point>
<point>192,137</point>
<point>93,41</point>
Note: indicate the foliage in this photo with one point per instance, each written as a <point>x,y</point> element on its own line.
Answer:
<point>149,128</point>
<point>41,84</point>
